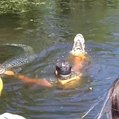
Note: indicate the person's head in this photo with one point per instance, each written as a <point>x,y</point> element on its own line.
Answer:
<point>114,99</point>
<point>1,86</point>
<point>63,69</point>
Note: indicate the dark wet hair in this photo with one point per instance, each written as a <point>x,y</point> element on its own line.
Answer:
<point>114,99</point>
<point>63,68</point>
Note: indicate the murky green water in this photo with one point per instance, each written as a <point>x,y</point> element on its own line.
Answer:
<point>53,26</point>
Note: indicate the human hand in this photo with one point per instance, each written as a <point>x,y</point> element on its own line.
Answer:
<point>9,73</point>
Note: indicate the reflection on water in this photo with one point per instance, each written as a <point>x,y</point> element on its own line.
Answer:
<point>50,30</point>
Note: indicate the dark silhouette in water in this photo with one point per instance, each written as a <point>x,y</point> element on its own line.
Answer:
<point>111,104</point>
<point>114,99</point>
<point>67,76</point>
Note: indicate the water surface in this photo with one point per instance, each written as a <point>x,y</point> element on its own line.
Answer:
<point>53,26</point>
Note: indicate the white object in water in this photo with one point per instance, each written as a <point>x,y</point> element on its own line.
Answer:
<point>10,116</point>
<point>79,45</point>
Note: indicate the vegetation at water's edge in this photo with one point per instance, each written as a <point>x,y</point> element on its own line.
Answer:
<point>20,6</point>
<point>17,6</point>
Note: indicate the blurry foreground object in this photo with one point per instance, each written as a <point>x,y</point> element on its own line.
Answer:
<point>10,116</point>
<point>1,86</point>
